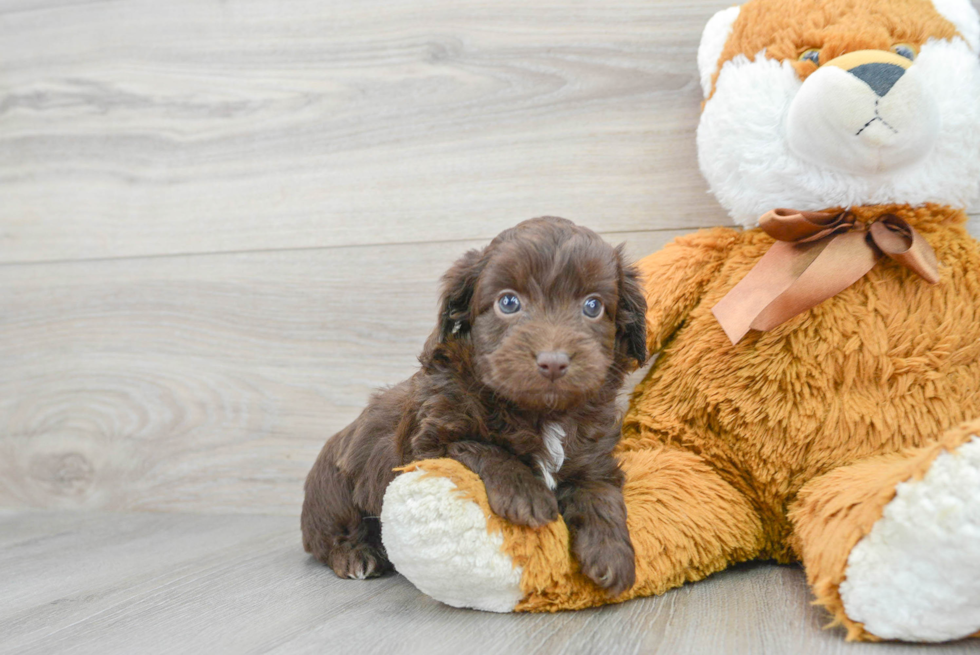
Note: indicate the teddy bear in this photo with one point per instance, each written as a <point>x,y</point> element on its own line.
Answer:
<point>815,396</point>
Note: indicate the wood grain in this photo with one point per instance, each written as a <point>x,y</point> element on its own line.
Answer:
<point>203,383</point>
<point>146,128</point>
<point>171,583</point>
<point>221,225</point>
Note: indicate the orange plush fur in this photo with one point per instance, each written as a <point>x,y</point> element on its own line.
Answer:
<point>835,27</point>
<point>878,371</point>
<point>740,452</point>
<point>788,445</point>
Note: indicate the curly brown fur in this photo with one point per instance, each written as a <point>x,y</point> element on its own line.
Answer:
<point>487,397</point>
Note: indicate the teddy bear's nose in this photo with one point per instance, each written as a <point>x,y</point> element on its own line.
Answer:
<point>881,77</point>
<point>879,69</point>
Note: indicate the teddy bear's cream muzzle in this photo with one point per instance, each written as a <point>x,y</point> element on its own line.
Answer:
<point>865,112</point>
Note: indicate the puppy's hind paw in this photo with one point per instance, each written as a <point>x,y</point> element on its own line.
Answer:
<point>359,562</point>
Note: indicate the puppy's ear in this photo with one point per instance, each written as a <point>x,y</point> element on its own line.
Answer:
<point>455,312</point>
<point>631,329</point>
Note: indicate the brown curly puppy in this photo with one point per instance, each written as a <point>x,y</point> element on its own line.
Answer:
<point>518,382</point>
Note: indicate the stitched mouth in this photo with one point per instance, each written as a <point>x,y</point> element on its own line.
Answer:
<point>877,117</point>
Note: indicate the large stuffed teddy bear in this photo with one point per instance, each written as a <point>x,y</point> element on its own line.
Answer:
<point>819,404</point>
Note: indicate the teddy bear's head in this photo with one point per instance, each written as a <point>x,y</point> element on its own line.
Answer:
<point>813,104</point>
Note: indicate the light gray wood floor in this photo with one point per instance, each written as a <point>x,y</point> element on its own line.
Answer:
<point>222,224</point>
<point>176,583</point>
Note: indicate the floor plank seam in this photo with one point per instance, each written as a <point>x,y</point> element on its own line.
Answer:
<point>349,246</point>
<point>297,249</point>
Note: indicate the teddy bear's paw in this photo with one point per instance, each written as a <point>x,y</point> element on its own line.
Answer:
<point>916,575</point>
<point>439,541</point>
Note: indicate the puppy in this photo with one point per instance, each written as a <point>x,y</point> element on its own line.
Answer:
<point>518,382</point>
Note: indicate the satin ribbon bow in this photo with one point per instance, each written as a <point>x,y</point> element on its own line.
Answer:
<point>816,256</point>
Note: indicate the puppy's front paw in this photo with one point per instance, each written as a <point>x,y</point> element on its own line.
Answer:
<point>523,502</point>
<point>608,561</point>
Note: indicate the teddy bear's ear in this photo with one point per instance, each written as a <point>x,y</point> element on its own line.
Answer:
<point>713,41</point>
<point>963,15</point>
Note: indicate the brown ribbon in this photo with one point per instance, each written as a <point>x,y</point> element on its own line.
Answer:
<point>816,256</point>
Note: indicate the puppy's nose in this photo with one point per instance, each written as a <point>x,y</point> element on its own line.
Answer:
<point>552,365</point>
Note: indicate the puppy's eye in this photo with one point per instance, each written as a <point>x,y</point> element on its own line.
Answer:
<point>904,50</point>
<point>812,55</point>
<point>592,307</point>
<point>508,303</point>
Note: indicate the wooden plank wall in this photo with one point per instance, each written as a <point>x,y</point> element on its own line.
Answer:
<point>222,223</point>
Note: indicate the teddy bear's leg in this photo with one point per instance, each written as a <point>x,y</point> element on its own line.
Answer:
<point>685,523</point>
<point>891,544</point>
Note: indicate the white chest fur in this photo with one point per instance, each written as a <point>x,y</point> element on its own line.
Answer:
<point>554,456</point>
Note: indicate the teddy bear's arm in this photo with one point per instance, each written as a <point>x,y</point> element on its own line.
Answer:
<point>675,277</point>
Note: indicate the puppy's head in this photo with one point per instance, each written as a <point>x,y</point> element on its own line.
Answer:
<point>549,310</point>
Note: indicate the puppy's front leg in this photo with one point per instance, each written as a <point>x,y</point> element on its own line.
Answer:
<point>595,513</point>
<point>513,491</point>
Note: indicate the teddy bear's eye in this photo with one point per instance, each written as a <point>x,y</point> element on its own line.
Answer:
<point>904,50</point>
<point>811,55</point>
